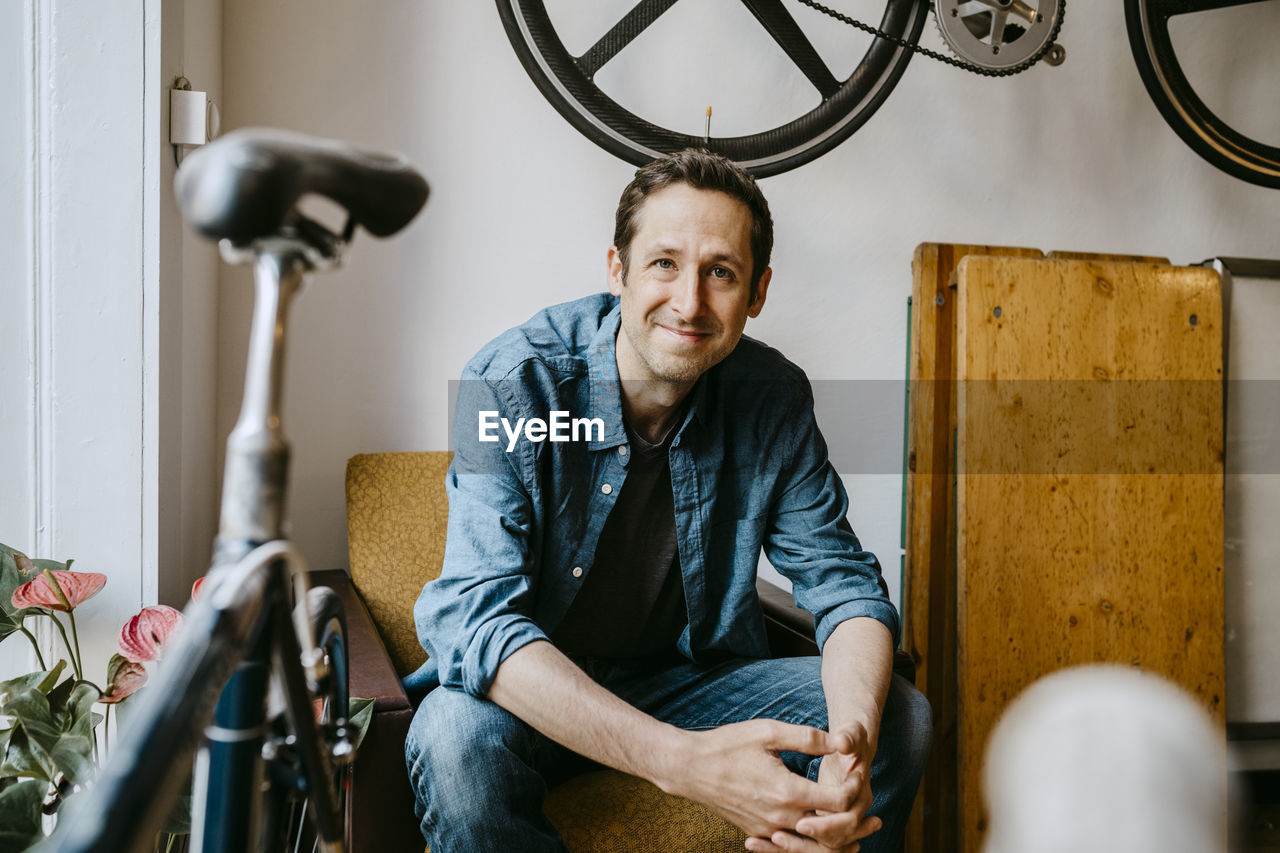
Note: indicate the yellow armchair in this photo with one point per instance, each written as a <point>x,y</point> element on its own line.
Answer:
<point>396,519</point>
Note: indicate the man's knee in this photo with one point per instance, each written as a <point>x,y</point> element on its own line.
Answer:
<point>472,765</point>
<point>453,741</point>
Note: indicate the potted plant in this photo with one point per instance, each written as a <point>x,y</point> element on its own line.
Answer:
<point>51,738</point>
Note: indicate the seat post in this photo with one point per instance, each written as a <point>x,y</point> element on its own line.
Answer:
<point>257,460</point>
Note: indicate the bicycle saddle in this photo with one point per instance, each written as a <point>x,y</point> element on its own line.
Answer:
<point>244,185</point>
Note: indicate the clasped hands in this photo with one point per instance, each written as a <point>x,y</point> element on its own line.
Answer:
<point>735,770</point>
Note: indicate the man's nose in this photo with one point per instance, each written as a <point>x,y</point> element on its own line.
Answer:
<point>687,298</point>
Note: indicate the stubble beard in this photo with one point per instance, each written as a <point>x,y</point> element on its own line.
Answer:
<point>667,367</point>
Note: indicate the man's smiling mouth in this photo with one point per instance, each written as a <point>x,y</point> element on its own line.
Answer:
<point>687,335</point>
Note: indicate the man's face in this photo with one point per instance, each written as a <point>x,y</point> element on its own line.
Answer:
<point>687,290</point>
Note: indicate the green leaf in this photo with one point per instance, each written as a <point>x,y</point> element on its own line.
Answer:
<point>47,745</point>
<point>51,677</point>
<point>43,566</point>
<point>21,759</point>
<point>57,697</point>
<point>5,734</point>
<point>76,716</point>
<point>20,815</point>
<point>359,716</point>
<point>10,579</point>
<point>41,681</point>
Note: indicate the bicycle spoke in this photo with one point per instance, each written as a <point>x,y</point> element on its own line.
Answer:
<point>787,33</point>
<point>972,7</point>
<point>1024,11</point>
<point>1018,7</point>
<point>622,34</point>
<point>302,823</point>
<point>998,19</point>
<point>1161,9</point>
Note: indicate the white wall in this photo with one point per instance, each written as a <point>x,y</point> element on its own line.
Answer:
<point>16,511</point>
<point>107,378</point>
<point>81,271</point>
<point>1074,157</point>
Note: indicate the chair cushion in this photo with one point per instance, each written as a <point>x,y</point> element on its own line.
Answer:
<point>610,812</point>
<point>396,517</point>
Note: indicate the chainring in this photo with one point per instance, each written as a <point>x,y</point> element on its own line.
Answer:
<point>999,35</point>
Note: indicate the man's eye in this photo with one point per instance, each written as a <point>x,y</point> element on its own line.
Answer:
<point>721,272</point>
<point>664,264</point>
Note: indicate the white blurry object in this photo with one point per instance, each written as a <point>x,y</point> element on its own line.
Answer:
<point>1108,759</point>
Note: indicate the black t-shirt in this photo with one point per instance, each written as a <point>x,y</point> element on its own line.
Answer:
<point>631,605</point>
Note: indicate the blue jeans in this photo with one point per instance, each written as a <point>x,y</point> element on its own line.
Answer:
<point>480,774</point>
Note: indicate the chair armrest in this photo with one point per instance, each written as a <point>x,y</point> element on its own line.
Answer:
<point>791,633</point>
<point>788,627</point>
<point>380,814</point>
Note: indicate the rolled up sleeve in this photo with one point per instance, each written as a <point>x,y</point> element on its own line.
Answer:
<point>811,543</point>
<point>479,611</point>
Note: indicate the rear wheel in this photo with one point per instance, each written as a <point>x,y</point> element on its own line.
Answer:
<point>1207,134</point>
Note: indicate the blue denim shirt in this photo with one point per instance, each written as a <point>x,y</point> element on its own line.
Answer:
<point>749,469</point>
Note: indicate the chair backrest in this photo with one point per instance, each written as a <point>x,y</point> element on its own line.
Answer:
<point>396,519</point>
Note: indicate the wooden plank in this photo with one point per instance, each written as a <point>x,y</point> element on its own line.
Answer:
<point>1094,256</point>
<point>1089,453</point>
<point>928,591</point>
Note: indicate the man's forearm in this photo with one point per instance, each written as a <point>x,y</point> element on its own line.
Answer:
<point>548,691</point>
<point>857,663</point>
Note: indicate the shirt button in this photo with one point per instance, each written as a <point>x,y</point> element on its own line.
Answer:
<point>622,451</point>
<point>607,489</point>
<point>577,571</point>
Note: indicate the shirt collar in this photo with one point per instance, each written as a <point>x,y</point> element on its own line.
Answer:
<point>604,397</point>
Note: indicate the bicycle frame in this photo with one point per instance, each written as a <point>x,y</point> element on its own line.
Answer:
<point>254,485</point>
<point>238,631</point>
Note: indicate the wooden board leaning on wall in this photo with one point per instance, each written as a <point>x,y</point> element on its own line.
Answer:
<point>929,591</point>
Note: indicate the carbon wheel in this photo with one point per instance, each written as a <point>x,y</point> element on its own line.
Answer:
<point>568,82</point>
<point>1206,134</point>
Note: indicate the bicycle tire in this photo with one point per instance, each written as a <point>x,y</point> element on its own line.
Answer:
<point>565,82</point>
<point>289,820</point>
<point>1203,131</point>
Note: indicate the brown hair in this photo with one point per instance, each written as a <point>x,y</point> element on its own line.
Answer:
<point>701,170</point>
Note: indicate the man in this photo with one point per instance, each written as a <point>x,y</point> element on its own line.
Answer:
<point>620,462</point>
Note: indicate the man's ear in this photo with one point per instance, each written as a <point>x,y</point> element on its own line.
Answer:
<point>762,290</point>
<point>614,264</point>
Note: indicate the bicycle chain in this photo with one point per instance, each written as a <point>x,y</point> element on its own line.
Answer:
<point>942,57</point>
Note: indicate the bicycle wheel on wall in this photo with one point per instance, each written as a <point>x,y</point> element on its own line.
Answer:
<point>569,83</point>
<point>1184,110</point>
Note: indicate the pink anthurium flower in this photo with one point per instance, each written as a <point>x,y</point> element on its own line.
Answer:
<point>68,591</point>
<point>123,678</point>
<point>143,636</point>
